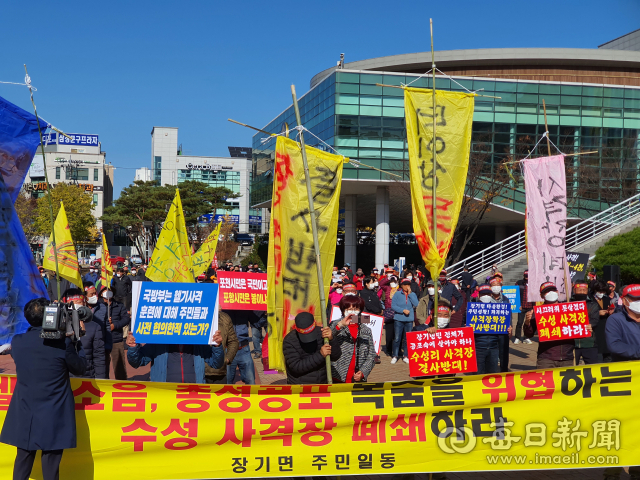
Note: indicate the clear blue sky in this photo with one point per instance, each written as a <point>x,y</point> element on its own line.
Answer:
<point>119,68</point>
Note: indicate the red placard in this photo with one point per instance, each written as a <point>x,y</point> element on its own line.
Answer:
<point>449,350</point>
<point>562,321</point>
<point>242,290</point>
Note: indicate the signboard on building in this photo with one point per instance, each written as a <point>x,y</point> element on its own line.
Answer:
<point>255,220</point>
<point>76,139</point>
<point>37,167</point>
<point>42,187</point>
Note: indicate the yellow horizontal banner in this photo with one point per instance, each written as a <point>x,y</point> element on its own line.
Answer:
<point>576,417</point>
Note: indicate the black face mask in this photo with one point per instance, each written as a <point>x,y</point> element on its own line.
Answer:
<point>580,296</point>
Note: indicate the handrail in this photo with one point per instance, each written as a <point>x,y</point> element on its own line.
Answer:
<point>581,232</point>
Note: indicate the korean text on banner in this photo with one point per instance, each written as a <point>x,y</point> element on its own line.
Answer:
<point>513,294</point>
<point>546,195</point>
<point>242,290</point>
<point>171,259</point>
<point>489,317</point>
<point>577,265</point>
<point>174,314</point>
<point>203,258</point>
<point>68,267</point>
<point>291,270</point>
<point>562,321</point>
<point>449,350</point>
<point>528,420</point>
<point>454,115</point>
<point>106,269</point>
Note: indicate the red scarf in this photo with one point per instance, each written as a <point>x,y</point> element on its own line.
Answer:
<point>353,330</point>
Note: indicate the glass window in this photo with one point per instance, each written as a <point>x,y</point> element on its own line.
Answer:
<point>527,88</point>
<point>571,89</point>
<point>95,174</point>
<point>344,77</point>
<point>549,89</point>
<point>631,93</point>
<point>74,173</point>
<point>370,78</point>
<point>370,90</point>
<point>95,198</point>
<point>57,173</point>
<point>506,87</point>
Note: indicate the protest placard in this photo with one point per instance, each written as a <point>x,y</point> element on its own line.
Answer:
<point>560,321</point>
<point>489,317</point>
<point>449,350</point>
<point>242,290</point>
<point>174,313</point>
<point>376,323</point>
<point>577,265</point>
<point>513,294</point>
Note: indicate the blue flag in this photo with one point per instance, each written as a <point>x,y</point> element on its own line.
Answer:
<point>20,280</point>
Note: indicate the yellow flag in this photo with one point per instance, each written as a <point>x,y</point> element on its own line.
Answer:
<point>67,256</point>
<point>204,256</point>
<point>454,115</point>
<point>106,270</point>
<point>171,259</point>
<point>291,270</point>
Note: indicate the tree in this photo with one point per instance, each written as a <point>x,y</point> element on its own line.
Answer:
<point>26,208</point>
<point>78,206</point>
<point>227,247</point>
<point>621,250</point>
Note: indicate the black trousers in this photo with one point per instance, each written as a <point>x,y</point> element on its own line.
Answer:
<point>589,355</point>
<point>50,464</point>
<point>503,348</point>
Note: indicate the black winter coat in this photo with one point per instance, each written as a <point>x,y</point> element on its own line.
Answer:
<point>120,319</point>
<point>372,303</point>
<point>41,414</point>
<point>93,346</point>
<point>305,364</point>
<point>121,286</point>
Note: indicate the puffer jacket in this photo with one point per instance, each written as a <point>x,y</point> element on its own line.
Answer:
<point>305,364</point>
<point>365,352</point>
<point>229,342</point>
<point>93,346</point>
<point>120,319</point>
<point>372,303</point>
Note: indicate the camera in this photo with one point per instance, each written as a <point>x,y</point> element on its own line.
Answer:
<point>363,318</point>
<point>63,320</point>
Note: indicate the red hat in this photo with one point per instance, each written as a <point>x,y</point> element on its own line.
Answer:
<point>405,281</point>
<point>547,287</point>
<point>484,290</point>
<point>495,279</point>
<point>581,284</point>
<point>632,291</point>
<point>443,272</point>
<point>612,283</point>
<point>444,308</point>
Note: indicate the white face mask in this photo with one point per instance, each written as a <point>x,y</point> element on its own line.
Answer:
<point>375,284</point>
<point>393,284</point>
<point>439,291</point>
<point>431,290</point>
<point>338,290</point>
<point>409,277</point>
<point>551,297</point>
<point>496,289</point>
<point>371,286</point>
<point>108,294</point>
<point>133,272</point>
<point>443,322</point>
<point>599,295</point>
<point>635,307</point>
<point>118,275</point>
<point>351,312</point>
<point>92,300</point>
<point>485,298</point>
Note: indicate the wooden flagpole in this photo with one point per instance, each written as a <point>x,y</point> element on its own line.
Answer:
<point>314,230</point>
<point>434,201</point>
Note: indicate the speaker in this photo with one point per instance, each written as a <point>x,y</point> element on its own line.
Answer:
<point>612,272</point>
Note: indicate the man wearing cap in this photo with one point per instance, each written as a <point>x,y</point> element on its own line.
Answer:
<point>92,276</point>
<point>554,353</point>
<point>503,340</point>
<point>586,348</point>
<point>449,291</point>
<point>44,277</point>
<point>613,295</point>
<point>525,306</point>
<point>304,351</point>
<point>402,303</point>
<point>467,282</point>
<point>425,305</point>
<point>487,347</point>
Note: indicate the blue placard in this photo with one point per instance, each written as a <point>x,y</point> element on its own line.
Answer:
<point>255,220</point>
<point>490,318</point>
<point>513,294</point>
<point>174,313</point>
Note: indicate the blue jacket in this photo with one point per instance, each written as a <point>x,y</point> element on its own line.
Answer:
<point>400,302</point>
<point>41,414</point>
<point>157,355</point>
<point>91,277</point>
<point>100,317</point>
<point>241,320</point>
<point>623,337</point>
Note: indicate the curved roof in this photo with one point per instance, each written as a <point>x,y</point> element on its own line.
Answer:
<point>495,57</point>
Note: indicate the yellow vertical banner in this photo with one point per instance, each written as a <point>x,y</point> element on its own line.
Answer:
<point>68,267</point>
<point>201,260</point>
<point>291,267</point>
<point>171,259</point>
<point>454,115</point>
<point>106,269</point>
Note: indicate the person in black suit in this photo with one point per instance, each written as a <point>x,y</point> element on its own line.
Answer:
<point>41,415</point>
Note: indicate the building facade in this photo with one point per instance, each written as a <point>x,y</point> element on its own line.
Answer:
<point>592,100</point>
<point>170,167</point>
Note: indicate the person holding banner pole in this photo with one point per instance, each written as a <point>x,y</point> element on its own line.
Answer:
<point>554,353</point>
<point>586,347</point>
<point>503,340</point>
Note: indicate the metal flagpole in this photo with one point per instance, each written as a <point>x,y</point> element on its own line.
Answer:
<point>46,179</point>
<point>314,229</point>
<point>434,200</point>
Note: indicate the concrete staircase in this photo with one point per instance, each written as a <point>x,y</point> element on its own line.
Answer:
<point>585,237</point>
